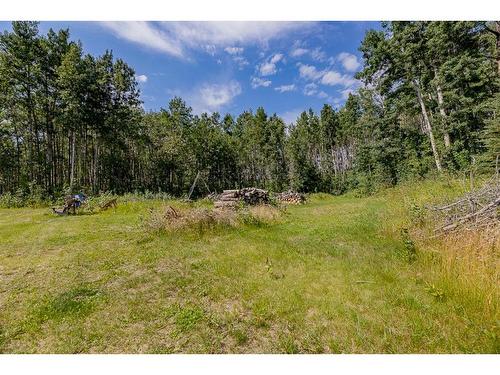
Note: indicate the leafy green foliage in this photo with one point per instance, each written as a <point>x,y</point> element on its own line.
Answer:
<point>72,122</point>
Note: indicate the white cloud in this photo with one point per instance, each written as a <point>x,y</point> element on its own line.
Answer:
<point>346,92</point>
<point>349,61</point>
<point>276,58</point>
<point>325,77</point>
<point>322,95</point>
<point>241,61</point>
<point>333,78</point>
<point>144,33</point>
<point>268,67</point>
<point>230,32</point>
<point>210,49</point>
<point>234,50</point>
<point>141,78</point>
<point>297,52</point>
<point>259,82</point>
<point>318,55</point>
<point>212,97</point>
<point>309,72</point>
<point>174,38</point>
<point>285,88</point>
<point>310,89</point>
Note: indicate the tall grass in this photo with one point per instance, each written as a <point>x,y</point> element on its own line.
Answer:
<point>203,219</point>
<point>464,264</point>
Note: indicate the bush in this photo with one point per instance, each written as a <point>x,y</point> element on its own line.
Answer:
<point>409,250</point>
<point>31,196</point>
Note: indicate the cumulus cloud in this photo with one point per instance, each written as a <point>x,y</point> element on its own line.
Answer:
<point>276,58</point>
<point>212,97</point>
<point>259,82</point>
<point>297,52</point>
<point>285,88</point>
<point>318,55</point>
<point>349,61</point>
<point>325,77</point>
<point>268,67</point>
<point>175,38</point>
<point>310,89</point>
<point>333,78</point>
<point>234,50</point>
<point>141,78</point>
<point>309,72</point>
<point>241,61</point>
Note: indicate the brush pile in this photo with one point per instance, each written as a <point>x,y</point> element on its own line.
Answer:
<point>290,197</point>
<point>248,196</point>
<point>476,209</point>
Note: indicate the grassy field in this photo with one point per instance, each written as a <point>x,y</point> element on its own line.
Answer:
<point>336,275</point>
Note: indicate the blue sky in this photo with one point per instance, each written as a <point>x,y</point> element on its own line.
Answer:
<point>286,67</point>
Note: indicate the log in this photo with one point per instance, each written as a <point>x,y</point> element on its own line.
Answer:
<point>250,196</point>
<point>291,197</point>
<point>229,199</point>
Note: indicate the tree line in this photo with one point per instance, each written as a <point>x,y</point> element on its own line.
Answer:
<point>71,121</point>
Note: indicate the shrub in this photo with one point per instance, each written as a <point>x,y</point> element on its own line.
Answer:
<point>31,196</point>
<point>409,250</point>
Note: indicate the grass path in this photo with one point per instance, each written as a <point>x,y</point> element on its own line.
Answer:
<point>325,279</point>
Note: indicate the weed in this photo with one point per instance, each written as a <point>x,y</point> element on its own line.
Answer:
<point>417,214</point>
<point>288,345</point>
<point>76,302</point>
<point>187,317</point>
<point>240,336</point>
<point>436,292</point>
<point>409,251</point>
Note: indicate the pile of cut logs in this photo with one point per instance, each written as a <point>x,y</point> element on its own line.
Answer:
<point>290,197</point>
<point>253,196</point>
<point>250,196</point>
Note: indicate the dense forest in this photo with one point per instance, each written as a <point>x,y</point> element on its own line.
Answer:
<point>70,121</point>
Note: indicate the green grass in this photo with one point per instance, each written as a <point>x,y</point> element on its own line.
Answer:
<point>336,275</point>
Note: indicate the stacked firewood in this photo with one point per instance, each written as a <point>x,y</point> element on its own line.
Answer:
<point>249,196</point>
<point>253,196</point>
<point>290,197</point>
<point>228,199</point>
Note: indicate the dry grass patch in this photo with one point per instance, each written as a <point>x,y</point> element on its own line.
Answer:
<point>199,219</point>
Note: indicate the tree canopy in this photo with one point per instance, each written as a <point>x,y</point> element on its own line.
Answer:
<point>71,121</point>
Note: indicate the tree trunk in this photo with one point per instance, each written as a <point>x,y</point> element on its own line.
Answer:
<point>442,112</point>
<point>496,32</point>
<point>72,170</point>
<point>497,29</point>
<point>428,126</point>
